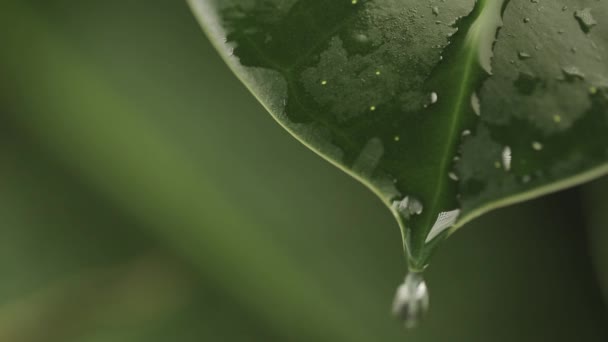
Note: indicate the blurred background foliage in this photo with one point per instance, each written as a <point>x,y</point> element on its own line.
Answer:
<point>146,196</point>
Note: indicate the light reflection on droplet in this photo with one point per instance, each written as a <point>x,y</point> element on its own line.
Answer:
<point>411,300</point>
<point>507,158</point>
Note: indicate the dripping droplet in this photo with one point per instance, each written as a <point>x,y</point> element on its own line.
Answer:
<point>434,97</point>
<point>411,300</point>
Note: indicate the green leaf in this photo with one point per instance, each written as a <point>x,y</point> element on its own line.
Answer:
<point>446,110</point>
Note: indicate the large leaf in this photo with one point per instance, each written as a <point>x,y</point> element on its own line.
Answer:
<point>444,109</point>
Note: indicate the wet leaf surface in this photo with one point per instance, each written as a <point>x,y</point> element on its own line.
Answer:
<point>444,109</point>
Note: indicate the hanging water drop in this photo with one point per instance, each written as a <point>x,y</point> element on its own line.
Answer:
<point>411,300</point>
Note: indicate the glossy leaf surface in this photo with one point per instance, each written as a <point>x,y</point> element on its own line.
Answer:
<point>445,109</point>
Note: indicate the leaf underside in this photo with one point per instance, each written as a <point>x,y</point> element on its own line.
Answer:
<point>444,109</point>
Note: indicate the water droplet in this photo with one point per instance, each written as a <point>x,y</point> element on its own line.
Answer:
<point>444,221</point>
<point>435,10</point>
<point>557,118</point>
<point>408,206</point>
<point>372,108</point>
<point>324,82</point>
<point>476,104</point>
<point>453,176</point>
<point>434,97</point>
<point>524,55</point>
<point>585,19</point>
<point>354,2</point>
<point>526,20</point>
<point>537,146</point>
<point>572,72</point>
<point>465,133</point>
<point>397,138</point>
<point>411,300</point>
<point>507,158</point>
<point>361,38</point>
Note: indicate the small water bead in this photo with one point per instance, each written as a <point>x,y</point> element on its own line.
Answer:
<point>537,146</point>
<point>524,55</point>
<point>465,133</point>
<point>324,82</point>
<point>397,138</point>
<point>444,221</point>
<point>411,300</point>
<point>526,20</point>
<point>453,176</point>
<point>408,206</point>
<point>434,97</point>
<point>557,118</point>
<point>507,158</point>
<point>585,19</point>
<point>436,10</point>
<point>572,72</point>
<point>476,104</point>
<point>354,2</point>
<point>361,38</point>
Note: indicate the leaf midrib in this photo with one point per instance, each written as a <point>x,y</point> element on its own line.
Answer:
<point>463,93</point>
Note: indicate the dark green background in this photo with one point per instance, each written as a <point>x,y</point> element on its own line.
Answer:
<point>146,196</point>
